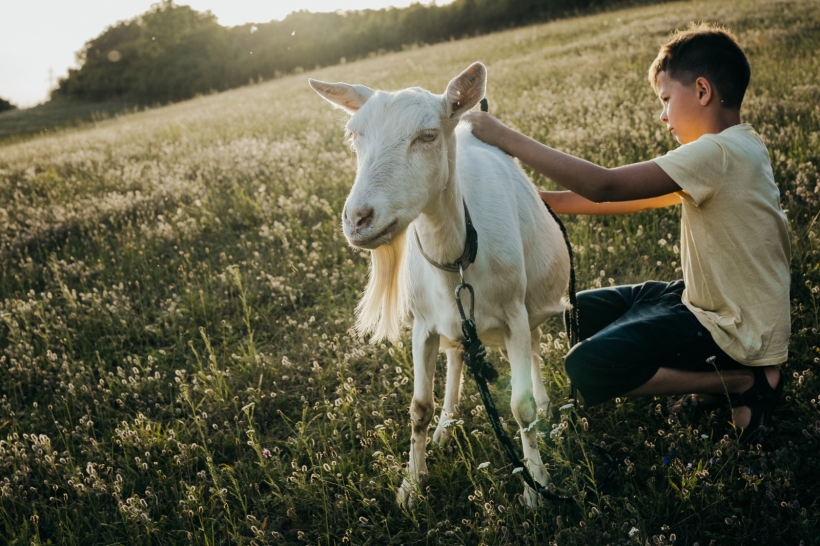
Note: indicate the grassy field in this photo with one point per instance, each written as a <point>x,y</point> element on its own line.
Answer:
<point>57,115</point>
<point>176,304</point>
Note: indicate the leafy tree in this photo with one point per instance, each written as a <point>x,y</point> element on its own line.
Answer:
<point>6,105</point>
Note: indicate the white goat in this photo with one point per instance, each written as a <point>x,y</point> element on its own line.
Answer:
<point>416,164</point>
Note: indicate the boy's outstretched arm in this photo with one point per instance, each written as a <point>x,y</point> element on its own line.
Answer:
<point>567,202</point>
<point>595,183</point>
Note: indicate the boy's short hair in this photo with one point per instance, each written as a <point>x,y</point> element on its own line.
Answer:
<point>705,51</point>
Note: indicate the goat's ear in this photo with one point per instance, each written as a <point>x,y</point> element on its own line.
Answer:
<point>465,90</point>
<point>343,95</point>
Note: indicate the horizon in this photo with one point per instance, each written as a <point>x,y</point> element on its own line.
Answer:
<point>51,47</point>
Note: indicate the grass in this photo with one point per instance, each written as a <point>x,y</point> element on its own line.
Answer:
<point>176,299</point>
<point>57,115</point>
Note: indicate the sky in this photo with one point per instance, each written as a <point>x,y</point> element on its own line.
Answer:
<point>39,38</point>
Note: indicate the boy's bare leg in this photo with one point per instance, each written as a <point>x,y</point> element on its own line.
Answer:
<point>672,381</point>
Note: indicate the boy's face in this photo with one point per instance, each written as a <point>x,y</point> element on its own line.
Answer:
<point>682,108</point>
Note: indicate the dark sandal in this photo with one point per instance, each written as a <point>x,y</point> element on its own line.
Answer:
<point>761,400</point>
<point>691,401</point>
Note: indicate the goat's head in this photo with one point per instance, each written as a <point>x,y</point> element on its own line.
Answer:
<point>405,148</point>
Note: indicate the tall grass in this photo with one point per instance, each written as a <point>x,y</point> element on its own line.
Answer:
<point>176,301</point>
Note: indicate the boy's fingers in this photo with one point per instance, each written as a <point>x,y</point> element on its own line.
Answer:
<point>485,127</point>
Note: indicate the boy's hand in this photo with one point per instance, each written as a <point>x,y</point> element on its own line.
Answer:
<point>488,129</point>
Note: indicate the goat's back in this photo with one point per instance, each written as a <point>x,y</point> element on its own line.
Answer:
<point>513,224</point>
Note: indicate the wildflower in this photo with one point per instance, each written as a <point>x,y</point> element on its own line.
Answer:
<point>566,407</point>
<point>483,465</point>
<point>266,453</point>
<point>632,532</point>
<point>666,461</point>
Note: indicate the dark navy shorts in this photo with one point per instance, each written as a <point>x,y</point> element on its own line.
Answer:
<point>628,332</point>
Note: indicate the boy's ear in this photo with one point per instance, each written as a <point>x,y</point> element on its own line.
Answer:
<point>465,90</point>
<point>342,95</point>
<point>705,90</point>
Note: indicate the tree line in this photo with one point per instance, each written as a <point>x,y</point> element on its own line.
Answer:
<point>6,105</point>
<point>173,52</point>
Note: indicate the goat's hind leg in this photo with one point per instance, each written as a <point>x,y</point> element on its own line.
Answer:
<point>452,393</point>
<point>425,349</point>
<point>539,391</point>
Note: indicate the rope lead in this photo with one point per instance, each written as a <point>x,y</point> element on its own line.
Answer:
<point>483,371</point>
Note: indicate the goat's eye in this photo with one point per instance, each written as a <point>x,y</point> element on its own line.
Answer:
<point>428,136</point>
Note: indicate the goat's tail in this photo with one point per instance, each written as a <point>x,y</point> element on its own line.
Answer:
<point>383,307</point>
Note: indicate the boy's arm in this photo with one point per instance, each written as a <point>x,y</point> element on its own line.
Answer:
<point>595,183</point>
<point>567,202</point>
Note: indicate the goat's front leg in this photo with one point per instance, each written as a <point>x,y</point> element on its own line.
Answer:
<point>425,348</point>
<point>452,393</point>
<point>523,403</point>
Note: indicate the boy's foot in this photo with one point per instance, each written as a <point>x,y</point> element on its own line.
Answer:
<point>753,408</point>
<point>701,401</point>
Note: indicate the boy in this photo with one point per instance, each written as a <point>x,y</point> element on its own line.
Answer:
<point>726,325</point>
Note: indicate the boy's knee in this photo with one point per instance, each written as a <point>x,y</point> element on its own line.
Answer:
<point>574,364</point>
<point>583,364</point>
<point>580,365</point>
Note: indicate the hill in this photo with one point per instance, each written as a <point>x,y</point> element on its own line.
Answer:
<point>176,298</point>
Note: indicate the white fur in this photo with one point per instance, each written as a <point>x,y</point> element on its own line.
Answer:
<point>521,271</point>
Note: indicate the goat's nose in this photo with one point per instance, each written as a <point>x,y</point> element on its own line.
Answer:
<point>360,218</point>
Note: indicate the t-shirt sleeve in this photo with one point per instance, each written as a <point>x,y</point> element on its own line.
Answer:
<point>698,167</point>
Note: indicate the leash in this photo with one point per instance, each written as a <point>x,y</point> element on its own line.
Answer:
<point>573,325</point>
<point>483,372</point>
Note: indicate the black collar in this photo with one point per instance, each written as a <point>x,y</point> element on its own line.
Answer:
<point>470,248</point>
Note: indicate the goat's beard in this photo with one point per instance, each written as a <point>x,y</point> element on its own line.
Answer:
<point>383,307</point>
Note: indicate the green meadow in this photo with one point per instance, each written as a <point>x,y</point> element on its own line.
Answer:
<point>177,359</point>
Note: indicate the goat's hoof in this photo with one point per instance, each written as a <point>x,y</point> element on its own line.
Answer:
<point>407,496</point>
<point>531,497</point>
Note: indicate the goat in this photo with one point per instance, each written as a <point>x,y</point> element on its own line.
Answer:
<point>420,169</point>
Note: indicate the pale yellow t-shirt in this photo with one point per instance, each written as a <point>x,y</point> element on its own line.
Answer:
<point>735,250</point>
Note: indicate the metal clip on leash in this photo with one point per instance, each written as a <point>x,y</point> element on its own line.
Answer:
<point>474,350</point>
